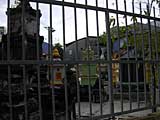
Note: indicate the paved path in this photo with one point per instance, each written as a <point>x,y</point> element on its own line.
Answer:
<point>85,108</point>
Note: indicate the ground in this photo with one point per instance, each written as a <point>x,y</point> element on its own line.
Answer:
<point>85,109</point>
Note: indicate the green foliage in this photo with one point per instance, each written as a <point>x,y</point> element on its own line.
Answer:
<point>112,21</point>
<point>143,38</point>
<point>103,39</point>
<point>135,38</point>
<point>58,45</point>
<point>124,46</point>
<point>134,19</point>
<point>148,12</point>
<point>114,34</point>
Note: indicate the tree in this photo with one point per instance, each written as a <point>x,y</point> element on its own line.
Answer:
<point>130,30</point>
<point>134,19</point>
<point>148,10</point>
<point>103,37</point>
<point>114,34</point>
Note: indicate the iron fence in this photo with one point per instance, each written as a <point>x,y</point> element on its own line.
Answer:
<point>92,86</point>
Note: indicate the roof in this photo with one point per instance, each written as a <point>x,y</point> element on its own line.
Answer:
<point>68,44</point>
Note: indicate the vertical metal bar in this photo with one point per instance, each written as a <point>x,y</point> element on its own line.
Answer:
<point>137,82</point>
<point>89,78</point>
<point>143,55</point>
<point>153,91</point>
<point>149,36</point>
<point>120,78</point>
<point>38,58</point>
<point>23,31</point>
<point>77,66</point>
<point>99,69</point>
<point>158,83</point>
<point>156,55</point>
<point>23,58</point>
<point>10,92</point>
<point>150,52</point>
<point>8,31</point>
<point>52,71</point>
<point>135,47</point>
<point>25,92</point>
<point>49,36</point>
<point>109,58</point>
<point>39,92</point>
<point>49,52</point>
<point>37,29</point>
<point>129,77</point>
<point>65,79</point>
<point>78,92</point>
<point>75,25</point>
<point>87,41</point>
<point>8,58</point>
<point>156,37</point>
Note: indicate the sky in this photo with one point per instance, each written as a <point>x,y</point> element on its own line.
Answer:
<point>69,18</point>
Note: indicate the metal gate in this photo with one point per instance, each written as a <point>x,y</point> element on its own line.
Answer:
<point>112,73</point>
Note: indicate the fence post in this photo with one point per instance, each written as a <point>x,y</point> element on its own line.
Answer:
<point>109,59</point>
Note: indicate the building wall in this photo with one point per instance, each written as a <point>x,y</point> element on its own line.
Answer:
<point>70,53</point>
